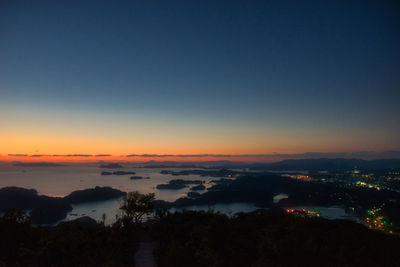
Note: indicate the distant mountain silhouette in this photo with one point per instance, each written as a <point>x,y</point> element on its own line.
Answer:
<point>315,164</point>
<point>327,164</point>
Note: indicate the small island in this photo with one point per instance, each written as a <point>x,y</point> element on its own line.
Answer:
<point>198,187</point>
<point>204,173</point>
<point>118,173</point>
<point>94,194</point>
<point>111,166</point>
<point>139,177</point>
<point>179,184</point>
<point>193,194</point>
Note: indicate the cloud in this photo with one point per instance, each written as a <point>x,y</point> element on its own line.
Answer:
<point>78,155</point>
<point>103,155</point>
<point>56,155</point>
<point>151,155</point>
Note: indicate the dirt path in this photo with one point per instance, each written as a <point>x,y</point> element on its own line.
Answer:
<point>144,257</point>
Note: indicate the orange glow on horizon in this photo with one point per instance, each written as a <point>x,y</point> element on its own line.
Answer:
<point>122,158</point>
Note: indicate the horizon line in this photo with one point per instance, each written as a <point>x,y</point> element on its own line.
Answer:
<point>366,155</point>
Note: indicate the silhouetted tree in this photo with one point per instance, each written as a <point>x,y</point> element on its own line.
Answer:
<point>135,205</point>
<point>15,216</point>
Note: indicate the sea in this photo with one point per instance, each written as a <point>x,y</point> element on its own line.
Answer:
<point>59,181</point>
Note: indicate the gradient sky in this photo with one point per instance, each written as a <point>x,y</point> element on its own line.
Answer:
<point>182,77</point>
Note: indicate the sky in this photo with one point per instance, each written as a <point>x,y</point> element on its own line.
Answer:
<point>199,77</point>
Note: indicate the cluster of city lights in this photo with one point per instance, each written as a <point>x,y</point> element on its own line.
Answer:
<point>375,220</point>
<point>301,177</point>
<point>304,212</point>
<point>364,184</point>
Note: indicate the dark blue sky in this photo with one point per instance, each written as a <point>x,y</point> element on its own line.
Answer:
<point>324,70</point>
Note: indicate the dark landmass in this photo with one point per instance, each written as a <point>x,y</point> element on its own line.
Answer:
<point>94,194</point>
<point>312,164</point>
<point>44,209</point>
<point>194,164</point>
<point>269,238</point>
<point>81,242</point>
<point>124,173</point>
<point>38,164</point>
<point>139,177</point>
<point>178,184</point>
<point>198,187</point>
<point>111,166</point>
<point>84,221</point>
<point>219,184</point>
<point>197,238</point>
<point>193,194</point>
<point>259,189</point>
<point>327,164</point>
<point>118,173</point>
<point>211,173</point>
<point>49,210</point>
<point>170,186</point>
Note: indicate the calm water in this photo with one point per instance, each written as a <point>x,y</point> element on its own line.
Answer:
<point>62,180</point>
<point>279,197</point>
<point>110,208</point>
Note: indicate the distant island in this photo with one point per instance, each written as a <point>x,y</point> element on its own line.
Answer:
<point>203,173</point>
<point>198,187</point>
<point>171,165</point>
<point>326,164</point>
<point>118,173</point>
<point>111,166</point>
<point>49,210</point>
<point>312,164</point>
<point>179,184</point>
<point>94,194</point>
<point>139,177</point>
<point>192,194</point>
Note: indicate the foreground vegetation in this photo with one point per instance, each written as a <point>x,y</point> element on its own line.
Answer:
<point>82,242</point>
<point>261,238</point>
<point>68,244</point>
<point>269,238</point>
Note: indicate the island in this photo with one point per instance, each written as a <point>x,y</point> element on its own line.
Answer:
<point>49,210</point>
<point>204,173</point>
<point>179,184</point>
<point>118,173</point>
<point>198,187</point>
<point>111,166</point>
<point>368,204</point>
<point>193,194</point>
<point>139,177</point>
<point>94,194</point>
